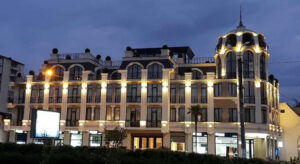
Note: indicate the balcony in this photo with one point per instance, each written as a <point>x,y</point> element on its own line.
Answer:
<point>201,60</point>
<point>74,99</point>
<point>153,123</point>
<point>130,123</point>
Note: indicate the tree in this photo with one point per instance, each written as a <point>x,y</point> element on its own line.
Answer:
<point>114,138</point>
<point>195,110</point>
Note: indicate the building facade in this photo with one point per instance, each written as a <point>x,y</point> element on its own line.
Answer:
<point>149,93</point>
<point>10,71</point>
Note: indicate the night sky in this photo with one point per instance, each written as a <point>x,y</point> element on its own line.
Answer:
<point>30,29</point>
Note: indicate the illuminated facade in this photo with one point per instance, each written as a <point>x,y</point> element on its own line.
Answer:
<point>149,93</point>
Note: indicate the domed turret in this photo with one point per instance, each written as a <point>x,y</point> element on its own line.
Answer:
<point>247,43</point>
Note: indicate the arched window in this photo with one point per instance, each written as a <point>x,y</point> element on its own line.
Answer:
<point>196,75</point>
<point>219,45</point>
<point>248,39</point>
<point>155,71</point>
<point>75,73</point>
<point>231,65</point>
<point>134,72</point>
<point>261,41</point>
<point>231,40</point>
<point>58,74</point>
<point>219,66</point>
<point>98,74</point>
<point>115,76</point>
<point>248,64</point>
<point>263,66</point>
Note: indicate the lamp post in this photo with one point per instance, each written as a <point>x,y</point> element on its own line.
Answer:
<point>241,104</point>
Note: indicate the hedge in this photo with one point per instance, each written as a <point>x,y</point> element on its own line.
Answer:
<point>39,154</point>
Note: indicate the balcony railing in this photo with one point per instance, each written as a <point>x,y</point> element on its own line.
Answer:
<point>153,123</point>
<point>129,123</point>
<point>72,123</point>
<point>74,99</point>
<point>200,60</point>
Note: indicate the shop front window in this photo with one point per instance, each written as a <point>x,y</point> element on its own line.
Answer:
<point>95,140</point>
<point>200,143</point>
<point>226,144</point>
<point>76,139</point>
<point>147,142</point>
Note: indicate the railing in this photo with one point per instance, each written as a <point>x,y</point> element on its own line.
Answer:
<point>133,99</point>
<point>200,60</point>
<point>153,123</point>
<point>74,99</point>
<point>72,123</point>
<point>130,123</point>
<point>116,63</point>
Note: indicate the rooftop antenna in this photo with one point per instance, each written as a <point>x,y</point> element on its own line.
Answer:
<point>241,20</point>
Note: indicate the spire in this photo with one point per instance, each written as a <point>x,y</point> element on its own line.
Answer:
<point>241,20</point>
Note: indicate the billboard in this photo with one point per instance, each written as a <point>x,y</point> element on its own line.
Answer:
<point>44,124</point>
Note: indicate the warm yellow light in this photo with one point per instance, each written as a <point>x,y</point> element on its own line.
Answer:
<point>257,84</point>
<point>187,83</point>
<point>83,85</point>
<point>239,33</point>
<point>222,50</point>
<point>103,85</point>
<point>223,74</point>
<point>165,83</point>
<point>123,90</point>
<point>28,86</point>
<point>144,84</point>
<point>49,72</point>
<point>65,85</point>
<point>210,84</point>
<point>254,34</point>
<point>257,49</point>
<point>165,89</point>
<point>143,123</point>
<point>238,47</point>
<point>187,124</point>
<point>210,125</point>
<point>101,123</point>
<point>47,86</point>
<point>144,89</point>
<point>46,90</point>
<point>83,90</point>
<point>123,84</point>
<point>65,91</point>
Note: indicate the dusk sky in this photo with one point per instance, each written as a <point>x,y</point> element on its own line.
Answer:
<point>30,29</point>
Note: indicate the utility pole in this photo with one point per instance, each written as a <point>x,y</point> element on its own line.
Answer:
<point>242,111</point>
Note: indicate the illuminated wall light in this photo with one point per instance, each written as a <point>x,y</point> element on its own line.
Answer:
<point>223,74</point>
<point>165,83</point>
<point>164,123</point>
<point>143,123</point>
<point>145,89</point>
<point>222,50</point>
<point>65,91</point>
<point>6,122</point>
<point>239,33</point>
<point>257,49</point>
<point>123,84</point>
<point>123,90</point>
<point>103,85</point>
<point>210,125</point>
<point>62,122</point>
<point>210,84</point>
<point>238,47</point>
<point>122,123</point>
<point>46,90</point>
<point>188,124</point>
<point>165,89</point>
<point>101,123</point>
<point>65,85</point>
<point>84,85</point>
<point>28,86</point>
<point>49,72</point>
<point>47,86</point>
<point>144,84</point>
<point>188,84</point>
<point>257,84</point>
<point>81,122</point>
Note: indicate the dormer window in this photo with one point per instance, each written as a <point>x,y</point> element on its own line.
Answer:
<point>231,40</point>
<point>76,73</point>
<point>155,71</point>
<point>261,41</point>
<point>134,72</point>
<point>58,74</point>
<point>196,75</point>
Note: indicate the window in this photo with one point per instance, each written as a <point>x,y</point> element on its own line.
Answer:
<point>219,45</point>
<point>200,143</point>
<point>263,93</point>
<point>218,115</point>
<point>20,114</point>
<point>37,94</point>
<point>194,93</point>
<point>98,74</point>
<point>117,93</point>
<point>75,73</point>
<point>264,116</point>
<point>232,89</point>
<point>133,93</point>
<point>72,117</point>
<point>218,90</point>
<point>95,140</point>
<point>196,75</point>
<point>132,117</point>
<point>232,114</point>
<point>203,115</point>
<point>172,114</point>
<point>58,74</point>
<point>115,76</point>
<point>21,96</point>
<point>109,93</point>
<point>134,72</point>
<point>88,114</point>
<point>112,114</point>
<point>261,41</point>
<point>97,113</point>
<point>219,66</point>
<point>155,71</point>
<point>153,117</point>
<point>248,39</point>
<point>231,40</point>
<point>181,112</point>
<point>250,115</point>
<point>249,96</point>
<point>248,63</point>
<point>181,93</point>
<point>93,93</point>
<point>173,93</point>
<point>55,94</point>
<point>226,145</point>
<point>76,140</point>
<point>144,142</point>
<point>203,94</point>
<point>74,94</point>
<point>263,66</point>
<point>231,65</point>
<point>154,93</point>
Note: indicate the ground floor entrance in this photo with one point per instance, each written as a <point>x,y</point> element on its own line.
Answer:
<point>146,142</point>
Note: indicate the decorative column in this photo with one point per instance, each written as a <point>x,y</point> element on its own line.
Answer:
<point>46,90</point>
<point>64,102</point>
<point>83,99</point>
<point>188,103</point>
<point>257,92</point>
<point>27,102</point>
<point>103,101</point>
<point>123,96</point>
<point>210,113</point>
<point>143,98</point>
<point>165,102</point>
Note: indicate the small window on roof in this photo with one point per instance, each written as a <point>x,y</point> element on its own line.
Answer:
<point>219,45</point>
<point>248,39</point>
<point>231,40</point>
<point>261,41</point>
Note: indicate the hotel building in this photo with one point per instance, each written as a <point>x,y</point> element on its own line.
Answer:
<point>149,94</point>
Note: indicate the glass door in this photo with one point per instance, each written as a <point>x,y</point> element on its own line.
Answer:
<point>249,148</point>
